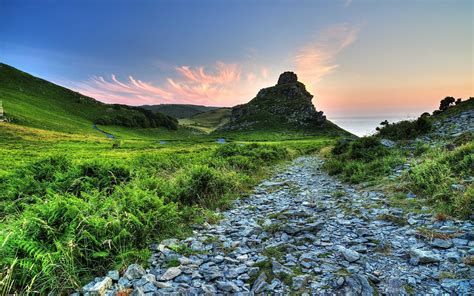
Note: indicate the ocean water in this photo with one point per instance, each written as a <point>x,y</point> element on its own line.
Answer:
<point>364,126</point>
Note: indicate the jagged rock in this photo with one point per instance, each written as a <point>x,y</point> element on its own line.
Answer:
<point>287,77</point>
<point>424,257</point>
<point>395,288</point>
<point>349,254</point>
<point>114,275</point>
<point>260,283</point>
<point>287,104</point>
<point>134,271</point>
<point>227,286</point>
<point>358,285</point>
<point>171,273</point>
<point>277,268</point>
<point>441,243</point>
<point>98,288</point>
<point>300,281</point>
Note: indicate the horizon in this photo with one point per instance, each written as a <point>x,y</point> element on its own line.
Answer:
<point>357,58</point>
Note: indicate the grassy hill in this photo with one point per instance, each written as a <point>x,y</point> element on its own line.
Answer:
<point>179,110</point>
<point>34,102</point>
<point>208,121</point>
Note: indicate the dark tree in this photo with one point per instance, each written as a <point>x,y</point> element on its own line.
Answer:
<point>458,101</point>
<point>446,103</point>
<point>384,123</point>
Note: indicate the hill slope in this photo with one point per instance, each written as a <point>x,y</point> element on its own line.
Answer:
<point>179,110</point>
<point>34,102</point>
<point>208,121</point>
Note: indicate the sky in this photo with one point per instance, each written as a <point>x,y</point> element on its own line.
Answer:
<point>357,57</point>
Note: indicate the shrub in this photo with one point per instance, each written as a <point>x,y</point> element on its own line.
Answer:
<point>406,129</point>
<point>366,149</point>
<point>430,178</point>
<point>464,204</point>
<point>202,185</point>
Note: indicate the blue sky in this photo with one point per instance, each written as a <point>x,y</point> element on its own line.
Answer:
<point>356,57</point>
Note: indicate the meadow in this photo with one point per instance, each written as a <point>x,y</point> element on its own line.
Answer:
<point>75,205</point>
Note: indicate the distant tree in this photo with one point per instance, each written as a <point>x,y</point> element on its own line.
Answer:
<point>384,123</point>
<point>446,103</point>
<point>426,114</point>
<point>458,101</point>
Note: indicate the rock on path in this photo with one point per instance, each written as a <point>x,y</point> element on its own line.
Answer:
<point>305,232</point>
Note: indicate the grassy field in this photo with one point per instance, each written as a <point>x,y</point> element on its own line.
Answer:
<point>208,121</point>
<point>75,205</point>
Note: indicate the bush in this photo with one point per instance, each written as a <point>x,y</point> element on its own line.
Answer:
<point>406,129</point>
<point>430,178</point>
<point>202,185</point>
<point>366,149</point>
<point>464,204</point>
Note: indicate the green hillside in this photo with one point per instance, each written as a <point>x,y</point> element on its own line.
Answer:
<point>179,110</point>
<point>208,121</point>
<point>34,102</point>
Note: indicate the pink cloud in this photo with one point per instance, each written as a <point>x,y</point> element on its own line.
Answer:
<point>316,59</point>
<point>225,85</point>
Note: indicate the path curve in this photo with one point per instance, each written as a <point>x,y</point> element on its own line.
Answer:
<point>302,231</point>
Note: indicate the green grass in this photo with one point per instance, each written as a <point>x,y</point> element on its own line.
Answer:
<point>208,121</point>
<point>73,206</point>
<point>440,178</point>
<point>33,102</point>
<point>179,110</point>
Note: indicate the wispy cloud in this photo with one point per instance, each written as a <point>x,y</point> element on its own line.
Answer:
<point>347,3</point>
<point>317,58</point>
<point>225,84</point>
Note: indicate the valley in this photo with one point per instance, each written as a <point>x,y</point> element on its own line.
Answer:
<point>102,199</point>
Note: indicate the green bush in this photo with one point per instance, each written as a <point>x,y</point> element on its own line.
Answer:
<point>430,177</point>
<point>366,149</point>
<point>406,129</point>
<point>463,204</point>
<point>203,186</point>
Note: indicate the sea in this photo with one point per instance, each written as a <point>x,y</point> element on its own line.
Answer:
<point>365,125</point>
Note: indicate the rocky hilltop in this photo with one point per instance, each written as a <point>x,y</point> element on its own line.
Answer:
<point>287,104</point>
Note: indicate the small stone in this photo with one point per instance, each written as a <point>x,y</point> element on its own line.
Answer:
<point>171,273</point>
<point>260,284</point>
<point>453,257</point>
<point>163,285</point>
<point>114,275</point>
<point>424,257</point>
<point>441,243</point>
<point>299,282</point>
<point>98,288</point>
<point>340,281</point>
<point>134,271</point>
<point>227,286</point>
<point>349,254</point>
<point>277,268</point>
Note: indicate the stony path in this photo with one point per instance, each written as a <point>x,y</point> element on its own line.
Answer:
<point>304,232</point>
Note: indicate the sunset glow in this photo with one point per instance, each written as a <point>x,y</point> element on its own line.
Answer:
<point>355,57</point>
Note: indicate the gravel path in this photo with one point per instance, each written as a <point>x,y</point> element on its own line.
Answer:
<point>305,232</point>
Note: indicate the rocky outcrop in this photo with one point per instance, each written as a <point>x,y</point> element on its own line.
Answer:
<point>288,103</point>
